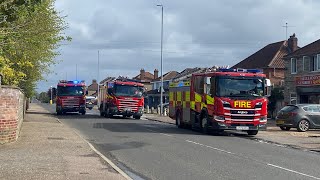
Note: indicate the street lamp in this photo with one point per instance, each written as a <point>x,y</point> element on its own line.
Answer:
<point>161,69</point>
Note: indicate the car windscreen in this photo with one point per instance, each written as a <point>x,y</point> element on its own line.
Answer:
<point>70,91</point>
<point>127,90</point>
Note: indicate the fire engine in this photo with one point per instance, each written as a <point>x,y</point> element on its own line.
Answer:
<point>71,97</point>
<point>225,99</point>
<point>122,97</point>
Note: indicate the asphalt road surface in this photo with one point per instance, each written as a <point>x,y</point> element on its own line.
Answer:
<point>151,150</point>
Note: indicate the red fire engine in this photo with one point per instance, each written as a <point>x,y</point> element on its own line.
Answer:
<point>71,97</point>
<point>122,97</point>
<point>226,99</point>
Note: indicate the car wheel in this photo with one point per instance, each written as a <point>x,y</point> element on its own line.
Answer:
<point>252,132</point>
<point>285,128</point>
<point>303,125</point>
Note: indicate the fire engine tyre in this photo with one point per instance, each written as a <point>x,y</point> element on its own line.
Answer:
<point>204,124</point>
<point>137,117</point>
<point>303,125</point>
<point>59,113</point>
<point>178,120</point>
<point>252,132</point>
<point>83,112</point>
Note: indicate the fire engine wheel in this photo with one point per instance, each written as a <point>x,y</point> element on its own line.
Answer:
<point>137,117</point>
<point>59,113</point>
<point>83,113</point>
<point>204,125</point>
<point>178,120</point>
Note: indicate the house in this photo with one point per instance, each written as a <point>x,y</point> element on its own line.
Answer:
<point>146,78</point>
<point>186,74</point>
<point>155,93</point>
<point>93,88</point>
<point>302,76</point>
<point>270,59</point>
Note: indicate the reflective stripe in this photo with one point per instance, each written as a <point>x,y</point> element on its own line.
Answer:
<point>210,100</point>
<point>197,97</point>
<point>192,105</point>
<point>170,96</point>
<point>187,95</point>
<point>179,96</point>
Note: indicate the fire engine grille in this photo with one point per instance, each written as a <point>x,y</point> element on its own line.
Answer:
<point>128,104</point>
<point>70,103</point>
<point>242,117</point>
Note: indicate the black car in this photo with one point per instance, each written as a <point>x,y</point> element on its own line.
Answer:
<point>300,116</point>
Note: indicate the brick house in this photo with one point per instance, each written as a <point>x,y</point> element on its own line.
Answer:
<point>270,60</point>
<point>302,77</point>
<point>93,88</point>
<point>146,78</point>
<point>155,93</point>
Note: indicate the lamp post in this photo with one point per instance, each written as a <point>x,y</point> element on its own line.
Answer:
<point>161,56</point>
<point>98,103</point>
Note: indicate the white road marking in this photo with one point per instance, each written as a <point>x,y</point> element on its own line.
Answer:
<point>221,150</point>
<point>228,152</point>
<point>293,171</point>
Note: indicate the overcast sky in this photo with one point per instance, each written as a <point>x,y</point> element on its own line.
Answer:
<point>197,33</point>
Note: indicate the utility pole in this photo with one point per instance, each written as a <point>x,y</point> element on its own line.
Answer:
<point>161,57</point>
<point>98,103</point>
<point>76,71</point>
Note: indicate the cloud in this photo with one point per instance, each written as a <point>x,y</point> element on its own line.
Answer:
<point>197,33</point>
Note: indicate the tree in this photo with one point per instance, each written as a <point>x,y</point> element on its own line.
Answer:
<point>30,33</point>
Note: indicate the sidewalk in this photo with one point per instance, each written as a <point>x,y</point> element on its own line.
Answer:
<point>309,140</point>
<point>47,149</point>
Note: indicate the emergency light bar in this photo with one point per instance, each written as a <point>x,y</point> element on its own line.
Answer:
<point>241,70</point>
<point>71,82</point>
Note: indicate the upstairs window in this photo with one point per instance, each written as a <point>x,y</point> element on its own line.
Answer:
<point>315,63</point>
<point>306,63</point>
<point>293,65</point>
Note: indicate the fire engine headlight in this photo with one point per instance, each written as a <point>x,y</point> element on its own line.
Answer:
<point>218,117</point>
<point>264,118</point>
<point>225,102</point>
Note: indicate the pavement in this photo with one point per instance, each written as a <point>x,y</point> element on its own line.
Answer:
<point>48,149</point>
<point>309,140</point>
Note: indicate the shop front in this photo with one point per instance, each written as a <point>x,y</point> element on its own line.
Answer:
<point>308,89</point>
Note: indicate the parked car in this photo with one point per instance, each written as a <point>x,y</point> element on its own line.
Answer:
<point>300,116</point>
<point>90,102</point>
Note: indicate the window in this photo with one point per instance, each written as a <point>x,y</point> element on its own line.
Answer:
<point>199,84</point>
<point>312,108</point>
<point>293,98</point>
<point>293,65</point>
<point>315,63</point>
<point>306,63</point>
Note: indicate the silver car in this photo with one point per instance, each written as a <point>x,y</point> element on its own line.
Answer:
<point>300,116</point>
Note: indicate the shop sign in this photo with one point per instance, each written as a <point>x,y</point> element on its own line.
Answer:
<point>308,80</point>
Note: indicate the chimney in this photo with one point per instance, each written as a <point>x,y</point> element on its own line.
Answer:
<point>293,43</point>
<point>94,81</point>
<point>156,74</point>
<point>142,74</point>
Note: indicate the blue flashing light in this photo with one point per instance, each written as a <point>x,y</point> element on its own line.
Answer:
<point>75,82</point>
<point>241,70</point>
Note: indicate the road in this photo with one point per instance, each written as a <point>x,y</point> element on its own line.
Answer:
<point>151,150</point>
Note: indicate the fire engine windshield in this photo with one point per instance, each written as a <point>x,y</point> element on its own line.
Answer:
<point>239,87</point>
<point>126,90</point>
<point>70,91</point>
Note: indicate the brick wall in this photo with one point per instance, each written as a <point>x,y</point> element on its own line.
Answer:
<point>275,75</point>
<point>12,110</point>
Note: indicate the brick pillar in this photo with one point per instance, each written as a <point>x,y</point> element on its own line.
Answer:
<point>11,107</point>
